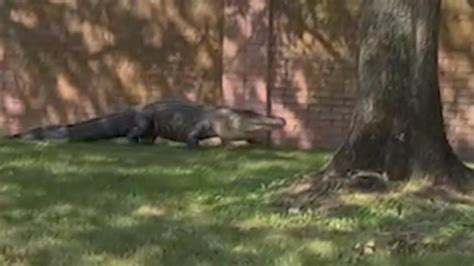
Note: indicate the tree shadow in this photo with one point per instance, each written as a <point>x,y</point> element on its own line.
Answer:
<point>69,204</point>
<point>80,203</point>
<point>109,171</point>
<point>407,226</point>
<point>70,62</point>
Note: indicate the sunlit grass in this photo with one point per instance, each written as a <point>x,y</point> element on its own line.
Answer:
<point>119,204</point>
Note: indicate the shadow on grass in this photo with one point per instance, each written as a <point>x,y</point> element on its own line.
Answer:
<point>103,203</point>
<point>78,199</point>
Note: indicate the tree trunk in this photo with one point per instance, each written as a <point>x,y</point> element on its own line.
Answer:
<point>397,127</point>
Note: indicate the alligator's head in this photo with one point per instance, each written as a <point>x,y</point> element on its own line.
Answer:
<point>235,123</point>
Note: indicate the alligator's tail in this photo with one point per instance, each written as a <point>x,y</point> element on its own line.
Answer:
<point>42,133</point>
<point>106,127</point>
<point>110,126</point>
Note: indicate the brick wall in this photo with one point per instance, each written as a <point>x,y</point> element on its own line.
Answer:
<point>63,62</point>
<point>313,73</point>
<point>456,61</point>
<point>245,53</point>
<point>66,61</point>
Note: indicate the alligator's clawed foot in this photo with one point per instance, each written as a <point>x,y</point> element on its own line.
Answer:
<point>232,145</point>
<point>192,146</point>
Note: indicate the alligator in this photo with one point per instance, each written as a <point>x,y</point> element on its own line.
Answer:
<point>179,121</point>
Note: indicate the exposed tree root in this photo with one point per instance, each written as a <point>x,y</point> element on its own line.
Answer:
<point>318,188</point>
<point>315,189</point>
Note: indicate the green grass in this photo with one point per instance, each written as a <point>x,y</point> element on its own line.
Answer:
<point>114,204</point>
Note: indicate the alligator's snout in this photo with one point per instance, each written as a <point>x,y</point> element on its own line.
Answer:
<point>278,121</point>
<point>235,123</point>
<point>266,123</point>
<point>270,121</point>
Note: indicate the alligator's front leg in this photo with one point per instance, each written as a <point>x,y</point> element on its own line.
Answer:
<point>226,143</point>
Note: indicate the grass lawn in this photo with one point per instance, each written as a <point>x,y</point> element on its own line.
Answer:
<point>115,204</point>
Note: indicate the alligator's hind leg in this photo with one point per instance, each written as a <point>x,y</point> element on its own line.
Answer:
<point>226,143</point>
<point>195,135</point>
<point>141,135</point>
<point>141,129</point>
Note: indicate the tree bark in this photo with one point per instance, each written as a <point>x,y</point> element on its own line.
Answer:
<point>398,127</point>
